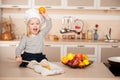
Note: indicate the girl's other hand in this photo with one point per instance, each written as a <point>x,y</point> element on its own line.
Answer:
<point>18,58</point>
<point>43,12</point>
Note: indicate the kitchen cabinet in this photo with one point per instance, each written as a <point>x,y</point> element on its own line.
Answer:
<point>54,4</point>
<point>0,21</point>
<point>62,4</point>
<point>53,52</point>
<point>109,4</point>
<point>15,3</point>
<point>80,4</point>
<point>107,51</point>
<point>7,51</point>
<point>90,50</point>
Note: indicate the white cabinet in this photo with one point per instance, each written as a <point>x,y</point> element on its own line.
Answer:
<point>109,4</point>
<point>53,52</point>
<point>7,51</point>
<point>80,4</point>
<point>0,21</point>
<point>90,50</point>
<point>15,3</point>
<point>48,3</point>
<point>62,4</point>
<point>108,51</point>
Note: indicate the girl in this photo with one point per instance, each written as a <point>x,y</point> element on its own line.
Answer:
<point>31,44</point>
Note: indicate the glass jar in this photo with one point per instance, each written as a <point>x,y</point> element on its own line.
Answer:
<point>89,34</point>
<point>83,36</point>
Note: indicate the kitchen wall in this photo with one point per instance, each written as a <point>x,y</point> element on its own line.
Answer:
<point>104,18</point>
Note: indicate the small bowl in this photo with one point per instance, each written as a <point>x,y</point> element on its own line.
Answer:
<point>114,62</point>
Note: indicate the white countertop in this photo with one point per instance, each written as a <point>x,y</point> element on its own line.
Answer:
<point>96,71</point>
<point>68,42</point>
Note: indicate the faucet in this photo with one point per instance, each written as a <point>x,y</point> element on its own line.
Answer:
<point>110,33</point>
<point>108,36</point>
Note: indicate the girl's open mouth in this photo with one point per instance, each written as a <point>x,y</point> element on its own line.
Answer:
<point>35,29</point>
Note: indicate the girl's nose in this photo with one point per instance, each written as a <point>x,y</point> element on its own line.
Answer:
<point>35,25</point>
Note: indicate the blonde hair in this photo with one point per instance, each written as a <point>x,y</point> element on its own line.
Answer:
<point>28,31</point>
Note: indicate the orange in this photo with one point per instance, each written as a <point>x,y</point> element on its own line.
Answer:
<point>64,59</point>
<point>42,10</point>
<point>85,57</point>
<point>81,64</point>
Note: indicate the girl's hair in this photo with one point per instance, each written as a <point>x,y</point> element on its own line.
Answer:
<point>28,31</point>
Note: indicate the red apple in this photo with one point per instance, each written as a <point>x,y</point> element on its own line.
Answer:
<point>70,62</point>
<point>75,62</point>
<point>78,56</point>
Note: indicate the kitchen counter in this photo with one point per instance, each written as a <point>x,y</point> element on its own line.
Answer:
<point>82,42</point>
<point>96,71</point>
<point>68,42</point>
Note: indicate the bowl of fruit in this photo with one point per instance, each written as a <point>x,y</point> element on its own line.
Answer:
<point>77,60</point>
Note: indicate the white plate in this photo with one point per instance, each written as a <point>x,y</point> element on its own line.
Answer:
<point>114,59</point>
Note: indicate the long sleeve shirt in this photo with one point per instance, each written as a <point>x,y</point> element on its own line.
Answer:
<point>35,43</point>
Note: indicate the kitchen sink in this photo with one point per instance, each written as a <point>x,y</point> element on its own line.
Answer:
<point>112,41</point>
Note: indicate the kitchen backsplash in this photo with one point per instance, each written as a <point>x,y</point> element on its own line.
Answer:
<point>104,18</point>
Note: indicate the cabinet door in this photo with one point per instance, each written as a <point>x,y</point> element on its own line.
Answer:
<point>7,52</point>
<point>90,50</point>
<point>15,3</point>
<point>80,4</point>
<point>108,51</point>
<point>48,3</point>
<point>53,52</point>
<point>0,21</point>
<point>109,4</point>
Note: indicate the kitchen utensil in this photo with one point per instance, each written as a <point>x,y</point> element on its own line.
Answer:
<point>6,36</point>
<point>114,61</point>
<point>8,32</point>
<point>41,64</point>
<point>67,24</point>
<point>78,26</point>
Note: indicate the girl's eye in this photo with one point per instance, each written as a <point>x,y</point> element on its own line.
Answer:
<point>32,23</point>
<point>37,23</point>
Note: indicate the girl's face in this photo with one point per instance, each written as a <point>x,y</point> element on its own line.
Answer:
<point>34,26</point>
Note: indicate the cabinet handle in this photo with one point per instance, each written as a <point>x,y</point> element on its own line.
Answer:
<point>14,6</point>
<point>80,46</point>
<point>48,7</point>
<point>12,45</point>
<point>115,46</point>
<point>47,45</point>
<point>80,7</point>
<point>112,8</point>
